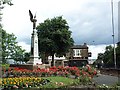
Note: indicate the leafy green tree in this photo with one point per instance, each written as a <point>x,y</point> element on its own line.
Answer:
<point>10,48</point>
<point>118,54</point>
<point>26,56</point>
<point>18,54</point>
<point>100,56</point>
<point>2,2</point>
<point>6,2</point>
<point>54,37</point>
<point>107,56</point>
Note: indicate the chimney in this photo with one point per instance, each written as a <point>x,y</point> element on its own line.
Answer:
<point>85,44</point>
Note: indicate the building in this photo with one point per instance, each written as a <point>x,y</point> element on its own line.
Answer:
<point>78,55</point>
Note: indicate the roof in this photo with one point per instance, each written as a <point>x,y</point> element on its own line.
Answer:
<point>118,43</point>
<point>79,47</point>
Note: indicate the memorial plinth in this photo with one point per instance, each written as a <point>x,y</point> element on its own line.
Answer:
<point>34,57</point>
<point>35,61</point>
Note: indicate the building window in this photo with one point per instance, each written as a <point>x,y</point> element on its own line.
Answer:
<point>76,53</point>
<point>73,52</point>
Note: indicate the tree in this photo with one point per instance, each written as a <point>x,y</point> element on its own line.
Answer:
<point>118,54</point>
<point>18,54</point>
<point>2,2</point>
<point>107,56</point>
<point>6,2</point>
<point>54,37</point>
<point>10,48</point>
<point>100,56</point>
<point>26,56</point>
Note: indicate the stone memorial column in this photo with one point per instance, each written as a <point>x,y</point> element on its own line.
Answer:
<point>34,57</point>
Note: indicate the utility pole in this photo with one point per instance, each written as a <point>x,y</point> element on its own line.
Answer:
<point>114,51</point>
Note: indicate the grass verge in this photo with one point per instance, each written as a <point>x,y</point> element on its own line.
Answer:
<point>59,82</point>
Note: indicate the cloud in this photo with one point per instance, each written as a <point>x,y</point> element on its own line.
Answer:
<point>89,20</point>
<point>24,46</point>
<point>94,23</point>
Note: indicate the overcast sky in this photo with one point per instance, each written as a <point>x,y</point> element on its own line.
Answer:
<point>89,20</point>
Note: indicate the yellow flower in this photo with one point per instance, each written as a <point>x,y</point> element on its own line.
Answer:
<point>5,83</point>
<point>14,83</point>
<point>11,82</point>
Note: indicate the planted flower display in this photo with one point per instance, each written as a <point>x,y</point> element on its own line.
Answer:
<point>53,71</point>
<point>21,82</point>
<point>23,78</point>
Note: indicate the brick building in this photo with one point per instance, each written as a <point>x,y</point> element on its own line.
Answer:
<point>78,55</point>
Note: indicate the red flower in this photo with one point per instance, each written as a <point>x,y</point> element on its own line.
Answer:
<point>95,72</point>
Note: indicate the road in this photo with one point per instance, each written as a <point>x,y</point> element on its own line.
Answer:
<point>106,79</point>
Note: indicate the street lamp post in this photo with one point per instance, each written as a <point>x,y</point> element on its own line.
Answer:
<point>113,34</point>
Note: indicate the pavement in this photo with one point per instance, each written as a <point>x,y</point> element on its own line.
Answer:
<point>106,79</point>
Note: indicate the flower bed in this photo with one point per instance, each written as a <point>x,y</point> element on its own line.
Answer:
<point>23,78</point>
<point>53,71</point>
<point>21,82</point>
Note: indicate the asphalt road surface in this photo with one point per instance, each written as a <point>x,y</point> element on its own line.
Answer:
<point>106,79</point>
